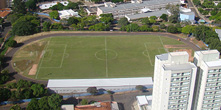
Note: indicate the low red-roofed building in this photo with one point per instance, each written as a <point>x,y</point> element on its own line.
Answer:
<point>4,12</point>
<point>99,106</point>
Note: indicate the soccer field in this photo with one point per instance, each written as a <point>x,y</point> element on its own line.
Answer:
<point>100,56</point>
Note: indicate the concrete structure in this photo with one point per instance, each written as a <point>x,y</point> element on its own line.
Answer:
<point>48,5</point>
<point>144,102</point>
<point>207,95</point>
<point>174,80</point>
<point>218,31</point>
<point>67,14</point>
<point>148,14</point>
<point>121,10</point>
<point>81,85</point>
<point>67,107</point>
<point>187,15</point>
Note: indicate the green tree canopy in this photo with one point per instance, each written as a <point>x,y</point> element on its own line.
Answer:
<point>123,21</point>
<point>15,107</point>
<point>54,15</point>
<point>43,103</point>
<point>58,6</point>
<point>164,17</point>
<point>4,94</point>
<point>46,26</point>
<point>18,7</point>
<point>84,102</point>
<point>57,26</point>
<point>33,105</point>
<point>92,90</point>
<point>11,43</point>
<point>38,90</point>
<point>172,29</point>
<point>54,101</point>
<point>72,5</point>
<point>73,20</point>
<point>22,28</point>
<point>188,29</point>
<point>1,21</point>
<point>145,21</point>
<point>31,4</point>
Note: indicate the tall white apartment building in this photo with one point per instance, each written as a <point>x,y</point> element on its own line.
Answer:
<point>174,81</point>
<point>207,95</point>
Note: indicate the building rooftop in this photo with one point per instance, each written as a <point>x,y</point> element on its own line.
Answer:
<point>218,31</point>
<point>162,56</point>
<point>99,82</point>
<point>95,106</point>
<point>179,67</point>
<point>126,6</point>
<point>178,53</point>
<point>214,63</point>
<point>48,5</point>
<point>67,107</point>
<point>148,14</point>
<point>144,100</point>
<point>187,13</point>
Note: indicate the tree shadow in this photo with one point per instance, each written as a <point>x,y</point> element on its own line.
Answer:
<point>71,100</point>
<point>121,106</point>
<point>19,44</point>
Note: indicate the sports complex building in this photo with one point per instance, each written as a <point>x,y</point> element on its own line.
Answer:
<point>81,85</point>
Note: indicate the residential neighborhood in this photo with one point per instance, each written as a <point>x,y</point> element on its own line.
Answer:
<point>110,55</point>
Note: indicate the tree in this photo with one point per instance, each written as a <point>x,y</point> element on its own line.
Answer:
<point>4,76</point>
<point>110,92</point>
<point>73,20</point>
<point>92,90</point>
<point>46,26</point>
<point>84,102</point>
<point>96,1</point>
<point>23,28</point>
<point>43,103</point>
<point>172,29</point>
<point>187,29</point>
<point>4,94</point>
<point>145,21</point>
<point>132,27</point>
<point>140,88</point>
<point>164,17</point>
<point>54,15</point>
<point>155,28</point>
<point>173,19</point>
<point>1,21</point>
<point>31,4</point>
<point>58,6</point>
<point>153,17</point>
<point>99,27</point>
<point>26,94</point>
<point>116,1</point>
<point>106,18</point>
<point>11,43</point>
<point>163,26</point>
<point>54,101</point>
<point>33,105</point>
<point>15,107</point>
<point>57,26</point>
<point>38,90</point>
<point>14,17</point>
<point>123,21</point>
<point>18,7</point>
<point>174,10</point>
<point>72,5</point>
<point>144,28</point>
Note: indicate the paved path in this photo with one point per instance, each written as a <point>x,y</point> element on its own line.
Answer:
<point>17,76</point>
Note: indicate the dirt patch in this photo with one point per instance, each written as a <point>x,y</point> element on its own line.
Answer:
<point>198,43</point>
<point>33,70</point>
<point>175,46</point>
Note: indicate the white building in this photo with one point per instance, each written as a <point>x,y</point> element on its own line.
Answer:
<point>208,84</point>
<point>48,5</point>
<point>81,85</point>
<point>187,15</point>
<point>67,14</point>
<point>144,102</point>
<point>218,31</point>
<point>174,80</point>
<point>120,10</point>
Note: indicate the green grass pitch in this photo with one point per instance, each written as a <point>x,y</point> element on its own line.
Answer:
<point>100,56</point>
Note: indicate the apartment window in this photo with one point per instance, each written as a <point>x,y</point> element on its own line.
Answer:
<point>210,71</point>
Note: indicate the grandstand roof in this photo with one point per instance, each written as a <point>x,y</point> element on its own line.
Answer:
<point>56,83</point>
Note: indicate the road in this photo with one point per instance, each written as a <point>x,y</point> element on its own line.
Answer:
<point>17,76</point>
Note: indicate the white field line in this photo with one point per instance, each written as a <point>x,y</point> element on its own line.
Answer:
<point>105,42</point>
<point>148,54</point>
<point>46,48</point>
<point>63,56</point>
<point>162,44</point>
<point>52,51</point>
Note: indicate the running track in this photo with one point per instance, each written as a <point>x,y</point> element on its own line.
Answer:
<point>17,76</point>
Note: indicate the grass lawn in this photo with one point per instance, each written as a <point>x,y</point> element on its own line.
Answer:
<point>92,56</point>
